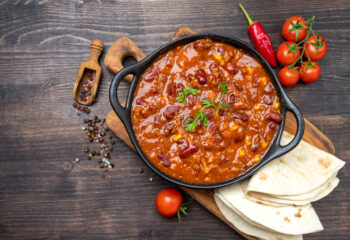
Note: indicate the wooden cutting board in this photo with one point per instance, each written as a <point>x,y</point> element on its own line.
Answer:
<point>124,47</point>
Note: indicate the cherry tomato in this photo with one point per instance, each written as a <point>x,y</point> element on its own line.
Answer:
<point>287,53</point>
<point>288,77</point>
<point>310,72</point>
<point>316,48</point>
<point>168,203</point>
<point>298,28</point>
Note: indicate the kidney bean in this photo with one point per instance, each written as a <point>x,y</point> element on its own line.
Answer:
<point>151,75</point>
<point>241,116</point>
<point>201,76</point>
<point>230,68</point>
<point>238,86</point>
<point>157,119</point>
<point>209,113</point>
<point>275,117</point>
<point>267,100</point>
<point>192,100</point>
<point>164,158</point>
<point>213,67</point>
<point>255,142</point>
<point>168,128</point>
<point>222,112</point>
<point>231,98</point>
<point>139,101</point>
<point>188,150</point>
<point>272,126</point>
<point>213,128</point>
<point>170,111</point>
<point>268,89</point>
<point>172,89</point>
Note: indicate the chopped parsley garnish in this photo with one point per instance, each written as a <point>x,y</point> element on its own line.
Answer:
<point>208,104</point>
<point>223,87</point>
<point>187,91</point>
<point>192,123</point>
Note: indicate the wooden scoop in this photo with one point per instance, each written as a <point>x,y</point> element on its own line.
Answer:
<point>89,76</point>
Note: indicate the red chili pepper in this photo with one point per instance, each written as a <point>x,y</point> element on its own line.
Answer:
<point>260,39</point>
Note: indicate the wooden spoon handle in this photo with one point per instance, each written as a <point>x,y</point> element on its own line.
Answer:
<point>119,50</point>
<point>96,48</point>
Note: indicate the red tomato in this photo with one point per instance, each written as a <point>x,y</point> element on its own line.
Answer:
<point>298,28</point>
<point>316,48</point>
<point>310,72</point>
<point>287,53</point>
<point>168,202</point>
<point>288,77</point>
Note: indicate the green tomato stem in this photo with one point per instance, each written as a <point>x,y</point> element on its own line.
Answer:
<point>309,30</point>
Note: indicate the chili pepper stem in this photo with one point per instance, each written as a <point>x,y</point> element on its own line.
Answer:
<point>250,21</point>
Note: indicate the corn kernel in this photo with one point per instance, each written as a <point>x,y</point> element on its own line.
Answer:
<point>234,127</point>
<point>199,106</point>
<point>263,80</point>
<point>218,57</point>
<point>256,159</point>
<point>256,107</point>
<point>263,144</point>
<point>241,152</point>
<point>177,137</point>
<point>276,105</point>
<point>222,62</point>
<point>250,70</point>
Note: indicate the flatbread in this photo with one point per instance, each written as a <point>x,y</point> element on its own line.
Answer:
<point>303,199</point>
<point>289,220</point>
<point>299,172</point>
<point>249,228</point>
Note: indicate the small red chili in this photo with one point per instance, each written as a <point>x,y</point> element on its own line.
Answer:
<point>260,39</point>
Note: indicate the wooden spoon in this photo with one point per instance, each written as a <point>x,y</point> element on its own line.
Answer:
<point>89,76</point>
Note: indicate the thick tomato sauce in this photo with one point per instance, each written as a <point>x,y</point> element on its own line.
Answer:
<point>226,139</point>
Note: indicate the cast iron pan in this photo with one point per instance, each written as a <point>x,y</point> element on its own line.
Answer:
<point>275,149</point>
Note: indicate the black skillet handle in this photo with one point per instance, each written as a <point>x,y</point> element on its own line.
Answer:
<point>279,150</point>
<point>113,91</point>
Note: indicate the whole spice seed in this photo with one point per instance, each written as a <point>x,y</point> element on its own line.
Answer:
<point>140,170</point>
<point>86,150</point>
<point>77,159</point>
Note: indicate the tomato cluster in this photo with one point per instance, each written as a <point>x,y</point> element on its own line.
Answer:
<point>301,41</point>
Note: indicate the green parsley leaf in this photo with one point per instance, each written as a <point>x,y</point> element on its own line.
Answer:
<point>187,91</point>
<point>201,115</point>
<point>223,105</point>
<point>191,126</point>
<point>223,87</point>
<point>208,104</point>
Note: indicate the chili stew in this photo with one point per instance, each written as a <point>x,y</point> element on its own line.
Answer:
<point>205,112</point>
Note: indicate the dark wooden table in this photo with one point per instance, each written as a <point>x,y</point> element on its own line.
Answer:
<point>45,194</point>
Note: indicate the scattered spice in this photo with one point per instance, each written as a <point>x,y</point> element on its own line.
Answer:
<point>81,108</point>
<point>77,159</point>
<point>151,179</point>
<point>140,170</point>
<point>95,129</point>
<point>85,91</point>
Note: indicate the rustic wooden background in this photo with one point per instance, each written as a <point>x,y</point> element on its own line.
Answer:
<point>45,194</point>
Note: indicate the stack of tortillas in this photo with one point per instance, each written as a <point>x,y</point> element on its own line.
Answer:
<point>275,203</point>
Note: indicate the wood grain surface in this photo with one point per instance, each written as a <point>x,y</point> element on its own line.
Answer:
<point>44,194</point>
